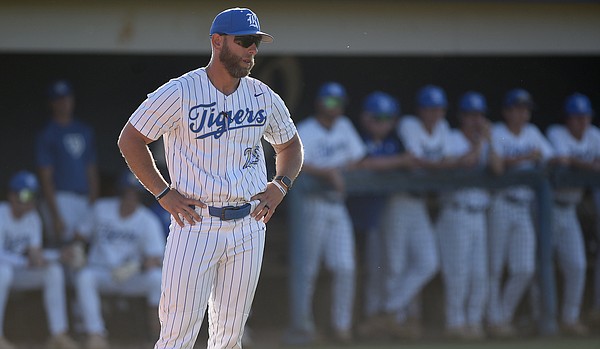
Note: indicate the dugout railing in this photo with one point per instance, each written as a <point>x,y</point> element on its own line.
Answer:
<point>358,182</point>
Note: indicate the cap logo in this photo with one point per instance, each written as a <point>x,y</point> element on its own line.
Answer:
<point>253,20</point>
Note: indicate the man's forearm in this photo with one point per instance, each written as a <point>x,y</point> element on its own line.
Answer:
<point>290,157</point>
<point>136,153</point>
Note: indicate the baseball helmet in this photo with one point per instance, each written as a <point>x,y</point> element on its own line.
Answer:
<point>238,21</point>
<point>59,89</point>
<point>472,102</point>
<point>332,89</point>
<point>578,104</point>
<point>432,96</point>
<point>381,105</point>
<point>518,96</point>
<point>25,185</point>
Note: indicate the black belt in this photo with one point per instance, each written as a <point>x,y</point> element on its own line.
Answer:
<point>562,204</point>
<point>468,208</point>
<point>230,212</point>
<point>515,200</point>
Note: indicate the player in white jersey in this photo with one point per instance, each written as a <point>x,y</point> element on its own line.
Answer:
<point>332,145</point>
<point>512,238</point>
<point>577,145</point>
<point>462,224</point>
<point>23,263</point>
<point>411,233</point>
<point>212,120</point>
<point>126,246</point>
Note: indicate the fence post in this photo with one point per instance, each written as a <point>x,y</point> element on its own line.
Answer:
<point>547,323</point>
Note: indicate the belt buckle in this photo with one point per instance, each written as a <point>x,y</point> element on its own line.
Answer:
<point>223,211</point>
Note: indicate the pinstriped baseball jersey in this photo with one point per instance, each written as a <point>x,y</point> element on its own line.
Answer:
<point>421,143</point>
<point>585,149</point>
<point>507,144</point>
<point>213,141</point>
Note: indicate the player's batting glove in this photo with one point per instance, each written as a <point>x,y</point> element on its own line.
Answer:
<point>126,271</point>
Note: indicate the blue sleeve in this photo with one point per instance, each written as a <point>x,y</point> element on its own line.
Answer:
<point>43,151</point>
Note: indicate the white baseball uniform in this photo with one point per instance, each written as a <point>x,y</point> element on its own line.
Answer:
<point>17,235</point>
<point>512,239</point>
<point>567,234</point>
<point>214,154</point>
<point>412,250</point>
<point>462,235</point>
<point>114,241</point>
<point>328,227</point>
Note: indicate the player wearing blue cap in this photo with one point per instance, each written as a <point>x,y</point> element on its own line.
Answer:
<point>212,120</point>
<point>577,145</point>
<point>66,159</point>
<point>512,239</point>
<point>332,145</point>
<point>126,246</point>
<point>23,263</point>
<point>425,136</point>
<point>462,223</point>
<point>379,118</point>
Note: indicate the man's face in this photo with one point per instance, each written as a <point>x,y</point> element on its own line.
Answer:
<point>578,124</point>
<point>21,202</point>
<point>517,115</point>
<point>238,60</point>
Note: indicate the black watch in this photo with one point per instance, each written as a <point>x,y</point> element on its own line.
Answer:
<point>287,181</point>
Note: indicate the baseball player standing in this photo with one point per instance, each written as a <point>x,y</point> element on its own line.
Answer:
<point>332,145</point>
<point>125,254</point>
<point>411,244</point>
<point>212,120</point>
<point>462,224</point>
<point>385,151</point>
<point>577,145</point>
<point>66,158</point>
<point>23,265</point>
<point>512,240</point>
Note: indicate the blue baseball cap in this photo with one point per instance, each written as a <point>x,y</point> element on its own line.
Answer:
<point>238,21</point>
<point>431,96</point>
<point>578,104</point>
<point>25,185</point>
<point>518,96</point>
<point>381,105</point>
<point>472,102</point>
<point>59,89</point>
<point>332,89</point>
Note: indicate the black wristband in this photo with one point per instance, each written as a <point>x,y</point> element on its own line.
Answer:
<point>163,193</point>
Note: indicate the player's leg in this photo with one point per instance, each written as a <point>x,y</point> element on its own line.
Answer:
<point>396,235</point>
<point>478,283</point>
<point>6,279</point>
<point>72,207</point>
<point>500,220</point>
<point>341,260</point>
<point>521,262</point>
<point>55,299</point>
<point>316,213</point>
<point>423,255</point>
<point>147,285</point>
<point>235,284</point>
<point>87,286</point>
<point>571,258</point>
<point>375,262</point>
<point>188,277</point>
<point>453,236</point>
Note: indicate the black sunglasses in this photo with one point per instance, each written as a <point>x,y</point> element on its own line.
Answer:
<point>247,40</point>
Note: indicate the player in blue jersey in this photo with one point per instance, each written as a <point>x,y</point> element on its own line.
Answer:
<point>66,158</point>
